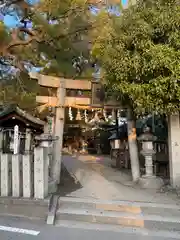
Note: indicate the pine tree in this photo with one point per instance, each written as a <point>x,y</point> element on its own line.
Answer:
<point>55,42</point>
<point>55,39</point>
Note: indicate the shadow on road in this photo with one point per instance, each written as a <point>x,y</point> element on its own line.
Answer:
<point>68,183</point>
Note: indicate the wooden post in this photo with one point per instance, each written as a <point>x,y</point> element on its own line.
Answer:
<point>59,128</point>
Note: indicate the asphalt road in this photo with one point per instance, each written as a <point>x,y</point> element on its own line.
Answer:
<point>16,229</point>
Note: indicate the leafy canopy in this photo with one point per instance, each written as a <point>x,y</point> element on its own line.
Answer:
<point>140,54</point>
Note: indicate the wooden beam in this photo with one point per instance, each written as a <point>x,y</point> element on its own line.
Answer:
<point>69,101</point>
<point>50,101</point>
<point>54,82</point>
<point>72,101</point>
<point>48,81</point>
<point>78,84</point>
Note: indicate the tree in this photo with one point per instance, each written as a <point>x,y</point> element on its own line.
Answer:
<point>55,39</point>
<point>140,55</point>
<point>19,90</point>
<point>52,42</point>
<point>102,36</point>
<point>52,35</point>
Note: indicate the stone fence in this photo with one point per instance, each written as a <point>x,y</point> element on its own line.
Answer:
<point>24,176</point>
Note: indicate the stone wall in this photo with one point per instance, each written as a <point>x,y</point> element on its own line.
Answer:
<point>24,175</point>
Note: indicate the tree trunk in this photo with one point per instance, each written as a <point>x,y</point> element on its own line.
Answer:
<point>133,149</point>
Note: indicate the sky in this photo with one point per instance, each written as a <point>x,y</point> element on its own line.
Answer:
<point>11,21</point>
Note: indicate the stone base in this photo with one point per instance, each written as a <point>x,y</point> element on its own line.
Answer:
<point>52,186</point>
<point>151,182</point>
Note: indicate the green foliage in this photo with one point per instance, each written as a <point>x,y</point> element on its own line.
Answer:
<point>20,91</point>
<point>57,43</point>
<point>3,34</point>
<point>50,46</point>
<point>140,55</point>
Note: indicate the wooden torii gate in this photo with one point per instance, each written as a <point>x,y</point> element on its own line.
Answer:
<point>60,101</point>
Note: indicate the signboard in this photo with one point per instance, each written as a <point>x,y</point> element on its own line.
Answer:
<point>16,140</point>
<point>50,124</point>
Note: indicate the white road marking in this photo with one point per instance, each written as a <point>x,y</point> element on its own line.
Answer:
<point>19,230</point>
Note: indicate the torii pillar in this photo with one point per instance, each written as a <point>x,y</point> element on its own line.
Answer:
<point>59,128</point>
<point>59,103</point>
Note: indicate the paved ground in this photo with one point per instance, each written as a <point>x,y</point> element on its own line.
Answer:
<point>98,180</point>
<point>15,229</point>
<point>95,180</point>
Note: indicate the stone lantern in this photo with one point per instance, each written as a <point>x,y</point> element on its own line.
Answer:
<point>115,146</point>
<point>149,180</point>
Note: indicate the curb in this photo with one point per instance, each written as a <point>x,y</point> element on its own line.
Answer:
<point>24,208</point>
<point>52,209</point>
<point>122,202</point>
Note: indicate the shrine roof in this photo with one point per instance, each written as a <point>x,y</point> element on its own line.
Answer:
<point>14,109</point>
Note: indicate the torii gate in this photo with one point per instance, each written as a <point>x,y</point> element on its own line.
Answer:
<point>61,101</point>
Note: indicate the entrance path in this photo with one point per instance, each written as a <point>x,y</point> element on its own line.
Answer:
<point>99,181</point>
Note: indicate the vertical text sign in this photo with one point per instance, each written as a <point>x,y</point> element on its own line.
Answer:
<point>16,139</point>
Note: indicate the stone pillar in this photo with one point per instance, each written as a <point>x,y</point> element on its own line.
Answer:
<point>59,129</point>
<point>28,141</point>
<point>5,183</point>
<point>46,128</point>
<point>40,173</point>
<point>27,175</point>
<point>149,165</point>
<point>174,149</point>
<point>16,175</point>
